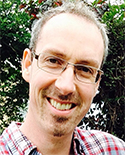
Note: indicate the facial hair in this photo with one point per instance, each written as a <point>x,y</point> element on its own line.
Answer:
<point>59,121</point>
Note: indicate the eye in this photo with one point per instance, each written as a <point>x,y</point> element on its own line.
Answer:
<point>54,60</point>
<point>84,69</point>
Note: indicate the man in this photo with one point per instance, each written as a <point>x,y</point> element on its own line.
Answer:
<point>63,67</point>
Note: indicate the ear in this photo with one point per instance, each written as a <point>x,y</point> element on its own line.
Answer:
<point>26,64</point>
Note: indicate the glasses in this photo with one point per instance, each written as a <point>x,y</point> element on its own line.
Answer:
<point>56,65</point>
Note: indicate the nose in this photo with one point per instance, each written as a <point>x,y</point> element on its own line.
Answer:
<point>65,82</point>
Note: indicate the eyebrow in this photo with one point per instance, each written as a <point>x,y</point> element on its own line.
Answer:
<point>55,52</point>
<point>89,62</point>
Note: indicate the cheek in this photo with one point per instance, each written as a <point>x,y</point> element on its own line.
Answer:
<point>41,79</point>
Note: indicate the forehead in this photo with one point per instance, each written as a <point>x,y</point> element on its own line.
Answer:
<point>73,36</point>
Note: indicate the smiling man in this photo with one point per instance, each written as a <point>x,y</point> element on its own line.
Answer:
<point>63,68</point>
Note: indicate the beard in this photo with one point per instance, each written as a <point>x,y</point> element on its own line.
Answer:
<point>57,131</point>
<point>60,124</point>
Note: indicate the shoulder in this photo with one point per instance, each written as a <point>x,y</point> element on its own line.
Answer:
<point>7,137</point>
<point>3,148</point>
<point>100,140</point>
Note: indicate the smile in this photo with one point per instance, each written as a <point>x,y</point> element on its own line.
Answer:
<point>61,106</point>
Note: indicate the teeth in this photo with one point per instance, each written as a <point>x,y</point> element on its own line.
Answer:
<point>59,106</point>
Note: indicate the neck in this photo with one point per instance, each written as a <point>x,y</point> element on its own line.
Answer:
<point>46,142</point>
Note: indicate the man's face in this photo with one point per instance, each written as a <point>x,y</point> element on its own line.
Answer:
<point>59,102</point>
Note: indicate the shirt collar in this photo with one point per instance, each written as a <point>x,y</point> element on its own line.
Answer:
<point>78,144</point>
<point>17,141</point>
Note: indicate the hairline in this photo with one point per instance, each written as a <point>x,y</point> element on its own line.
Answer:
<point>59,10</point>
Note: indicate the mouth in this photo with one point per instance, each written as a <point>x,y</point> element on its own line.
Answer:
<point>61,106</point>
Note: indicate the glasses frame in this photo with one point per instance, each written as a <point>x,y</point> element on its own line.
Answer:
<point>69,63</point>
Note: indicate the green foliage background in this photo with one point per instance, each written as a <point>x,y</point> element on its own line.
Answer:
<point>16,18</point>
